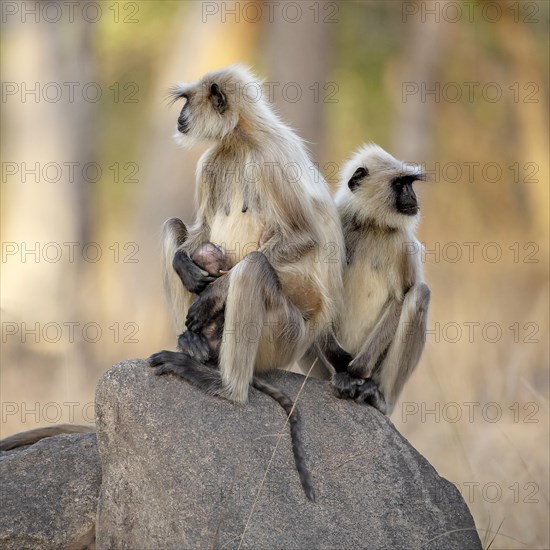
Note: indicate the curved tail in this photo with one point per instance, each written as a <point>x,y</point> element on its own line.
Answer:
<point>295,432</point>
<point>23,439</point>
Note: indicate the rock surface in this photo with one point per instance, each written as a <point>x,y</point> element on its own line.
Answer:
<point>49,494</point>
<point>183,470</point>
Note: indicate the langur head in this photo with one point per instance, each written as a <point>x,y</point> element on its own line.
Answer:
<point>379,188</point>
<point>216,104</point>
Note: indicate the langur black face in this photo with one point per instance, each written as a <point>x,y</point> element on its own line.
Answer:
<point>207,104</point>
<point>406,202</point>
<point>183,123</point>
<point>385,198</point>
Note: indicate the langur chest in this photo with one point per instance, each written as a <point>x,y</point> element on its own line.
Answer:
<point>369,282</point>
<point>237,227</point>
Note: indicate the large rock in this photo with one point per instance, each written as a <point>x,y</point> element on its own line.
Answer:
<point>49,494</point>
<point>183,470</point>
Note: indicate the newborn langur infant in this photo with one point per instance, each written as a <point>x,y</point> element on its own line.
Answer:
<point>212,259</point>
<point>205,345</point>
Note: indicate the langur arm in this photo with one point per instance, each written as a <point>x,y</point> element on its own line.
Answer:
<point>406,349</point>
<point>280,251</point>
<point>378,341</point>
<point>209,304</point>
<point>193,278</point>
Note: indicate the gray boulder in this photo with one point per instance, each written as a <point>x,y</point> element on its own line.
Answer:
<point>183,470</point>
<point>49,494</point>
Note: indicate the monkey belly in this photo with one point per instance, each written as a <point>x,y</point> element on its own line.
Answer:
<point>366,292</point>
<point>237,233</point>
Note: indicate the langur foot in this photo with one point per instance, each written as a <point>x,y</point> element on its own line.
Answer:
<point>364,391</point>
<point>194,345</point>
<point>160,358</point>
<point>369,394</point>
<point>345,386</point>
<point>181,365</point>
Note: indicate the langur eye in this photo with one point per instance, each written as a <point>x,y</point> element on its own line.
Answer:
<point>358,175</point>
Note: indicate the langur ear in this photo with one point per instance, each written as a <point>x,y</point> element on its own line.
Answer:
<point>219,101</point>
<point>358,175</point>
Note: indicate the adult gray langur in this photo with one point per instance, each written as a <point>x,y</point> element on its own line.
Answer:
<point>262,200</point>
<point>385,297</point>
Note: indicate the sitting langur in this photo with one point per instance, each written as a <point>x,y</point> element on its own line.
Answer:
<point>205,348</point>
<point>256,179</point>
<point>385,297</point>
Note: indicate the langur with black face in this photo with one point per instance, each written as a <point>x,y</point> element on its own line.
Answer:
<point>385,297</point>
<point>262,200</point>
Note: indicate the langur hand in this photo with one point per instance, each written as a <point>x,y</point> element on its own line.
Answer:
<point>195,345</point>
<point>364,391</point>
<point>194,279</point>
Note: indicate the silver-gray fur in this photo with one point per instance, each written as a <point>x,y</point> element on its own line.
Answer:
<point>263,201</point>
<point>257,177</point>
<point>385,297</point>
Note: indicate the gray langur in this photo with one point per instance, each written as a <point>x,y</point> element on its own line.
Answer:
<point>282,292</point>
<point>385,297</point>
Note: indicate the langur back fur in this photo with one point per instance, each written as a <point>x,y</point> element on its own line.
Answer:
<point>385,297</point>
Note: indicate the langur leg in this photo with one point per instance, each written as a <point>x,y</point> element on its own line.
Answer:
<point>205,345</point>
<point>407,346</point>
<point>355,383</point>
<point>263,330</point>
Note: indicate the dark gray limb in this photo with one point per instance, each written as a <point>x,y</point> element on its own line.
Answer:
<point>194,279</point>
<point>209,304</point>
<point>183,366</point>
<point>195,345</point>
<point>369,393</point>
<point>364,391</point>
<point>378,341</point>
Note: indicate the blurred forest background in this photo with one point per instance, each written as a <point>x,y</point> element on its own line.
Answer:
<point>90,171</point>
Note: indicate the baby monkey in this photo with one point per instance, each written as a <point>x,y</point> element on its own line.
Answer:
<point>205,345</point>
